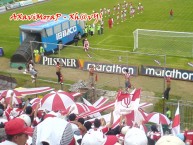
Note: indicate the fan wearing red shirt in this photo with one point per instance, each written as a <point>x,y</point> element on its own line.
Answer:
<point>110,22</point>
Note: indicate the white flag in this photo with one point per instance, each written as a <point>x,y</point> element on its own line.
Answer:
<point>176,122</point>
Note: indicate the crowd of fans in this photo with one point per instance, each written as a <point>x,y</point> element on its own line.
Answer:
<point>23,125</point>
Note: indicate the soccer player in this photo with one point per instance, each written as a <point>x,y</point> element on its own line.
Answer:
<point>125,14</point>
<point>139,9</point>
<point>118,8</point>
<point>118,17</point>
<point>171,14</point>
<point>105,11</point>
<point>114,10</point>
<point>130,6</point>
<point>86,45</point>
<point>122,16</point>
<point>109,12</point>
<point>132,12</point>
<point>101,11</point>
<point>110,23</point>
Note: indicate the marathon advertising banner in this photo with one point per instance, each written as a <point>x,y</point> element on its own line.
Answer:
<point>111,68</point>
<point>65,62</point>
<point>179,74</point>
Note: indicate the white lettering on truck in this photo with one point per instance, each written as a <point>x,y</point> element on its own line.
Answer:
<point>66,32</point>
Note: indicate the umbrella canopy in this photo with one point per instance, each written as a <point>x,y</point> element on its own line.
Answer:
<point>79,108</point>
<point>158,118</point>
<point>20,92</point>
<point>135,117</point>
<point>34,102</point>
<point>33,91</point>
<point>169,140</point>
<point>75,94</point>
<point>7,95</point>
<point>57,100</point>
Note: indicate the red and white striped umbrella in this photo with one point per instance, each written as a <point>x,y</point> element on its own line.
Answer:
<point>20,92</point>
<point>158,118</point>
<point>135,116</point>
<point>7,95</point>
<point>75,94</point>
<point>57,100</point>
<point>34,91</point>
<point>79,108</point>
<point>34,102</point>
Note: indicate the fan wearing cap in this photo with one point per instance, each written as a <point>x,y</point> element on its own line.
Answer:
<point>17,132</point>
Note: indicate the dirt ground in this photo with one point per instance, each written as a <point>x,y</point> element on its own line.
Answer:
<point>183,89</point>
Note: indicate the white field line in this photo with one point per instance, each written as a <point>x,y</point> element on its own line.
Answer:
<point>49,81</point>
<point>118,46</point>
<point>104,39</point>
<point>121,36</point>
<point>6,41</point>
<point>99,43</point>
<point>10,36</point>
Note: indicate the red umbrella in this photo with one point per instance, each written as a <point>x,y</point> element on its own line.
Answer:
<point>34,102</point>
<point>7,95</point>
<point>158,118</point>
<point>57,100</point>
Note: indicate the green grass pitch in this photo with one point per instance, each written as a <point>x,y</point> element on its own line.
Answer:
<point>120,37</point>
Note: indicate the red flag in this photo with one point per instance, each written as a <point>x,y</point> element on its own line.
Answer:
<point>121,96</point>
<point>136,95</point>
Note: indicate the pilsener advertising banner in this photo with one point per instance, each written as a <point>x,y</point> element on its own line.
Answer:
<point>111,68</point>
<point>65,62</point>
<point>174,73</point>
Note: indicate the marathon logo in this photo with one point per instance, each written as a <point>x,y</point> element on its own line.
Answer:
<point>66,32</point>
<point>172,72</point>
<point>111,68</point>
<point>65,62</point>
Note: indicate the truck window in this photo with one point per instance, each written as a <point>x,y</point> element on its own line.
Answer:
<point>57,29</point>
<point>72,23</point>
<point>64,25</point>
<point>43,33</point>
<point>49,31</point>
